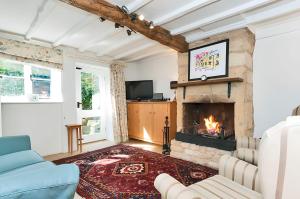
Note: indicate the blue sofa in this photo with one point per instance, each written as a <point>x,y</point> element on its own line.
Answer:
<point>24,174</point>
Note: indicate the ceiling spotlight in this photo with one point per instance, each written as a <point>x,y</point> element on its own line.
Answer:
<point>133,16</point>
<point>117,25</point>
<point>129,32</point>
<point>125,9</point>
<point>102,19</point>
<point>151,25</point>
<point>141,17</point>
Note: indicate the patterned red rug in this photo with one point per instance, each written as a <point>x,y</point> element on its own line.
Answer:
<point>123,171</point>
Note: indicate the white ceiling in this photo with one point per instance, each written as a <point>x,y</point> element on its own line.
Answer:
<point>57,23</point>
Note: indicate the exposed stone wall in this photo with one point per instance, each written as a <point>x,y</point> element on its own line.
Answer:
<point>241,46</point>
<point>205,156</point>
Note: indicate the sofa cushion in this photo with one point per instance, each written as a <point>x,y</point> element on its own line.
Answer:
<point>240,172</point>
<point>247,142</point>
<point>248,155</point>
<point>221,187</point>
<point>13,144</point>
<point>19,159</point>
<point>41,180</point>
<point>33,167</point>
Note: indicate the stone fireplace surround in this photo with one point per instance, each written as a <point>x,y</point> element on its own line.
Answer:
<point>241,46</point>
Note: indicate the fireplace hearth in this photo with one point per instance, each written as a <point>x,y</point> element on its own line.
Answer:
<point>228,144</point>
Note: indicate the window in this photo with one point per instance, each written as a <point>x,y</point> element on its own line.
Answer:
<point>12,79</point>
<point>41,82</point>
<point>22,82</point>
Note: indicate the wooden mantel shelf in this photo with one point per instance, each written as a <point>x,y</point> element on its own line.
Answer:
<point>175,85</point>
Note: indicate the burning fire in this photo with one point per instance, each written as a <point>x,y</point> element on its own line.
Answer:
<point>212,126</point>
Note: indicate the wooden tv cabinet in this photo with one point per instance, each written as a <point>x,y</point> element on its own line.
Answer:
<point>146,120</point>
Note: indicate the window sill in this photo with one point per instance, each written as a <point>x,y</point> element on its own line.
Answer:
<point>38,102</point>
<point>25,100</point>
<point>28,100</point>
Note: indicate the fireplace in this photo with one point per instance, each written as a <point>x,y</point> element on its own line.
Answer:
<point>209,125</point>
<point>209,119</point>
<point>229,103</point>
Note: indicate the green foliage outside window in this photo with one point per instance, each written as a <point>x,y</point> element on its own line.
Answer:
<point>40,73</point>
<point>89,87</point>
<point>11,87</point>
<point>12,79</point>
<point>11,69</point>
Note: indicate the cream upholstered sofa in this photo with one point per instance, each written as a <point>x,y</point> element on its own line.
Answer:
<point>276,176</point>
<point>296,111</point>
<point>247,149</point>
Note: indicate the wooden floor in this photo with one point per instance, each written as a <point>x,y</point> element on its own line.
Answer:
<point>104,143</point>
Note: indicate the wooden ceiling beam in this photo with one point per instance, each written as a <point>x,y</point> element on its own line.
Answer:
<point>179,12</point>
<point>249,19</point>
<point>114,14</point>
<point>135,50</point>
<point>137,4</point>
<point>43,12</point>
<point>121,44</point>
<point>249,5</point>
<point>149,53</point>
<point>99,40</point>
<point>74,29</point>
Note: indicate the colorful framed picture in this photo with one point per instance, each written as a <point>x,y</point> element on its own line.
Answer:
<point>209,61</point>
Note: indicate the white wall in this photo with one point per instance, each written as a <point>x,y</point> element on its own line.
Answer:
<point>276,72</point>
<point>45,122</point>
<point>161,69</point>
<point>42,122</point>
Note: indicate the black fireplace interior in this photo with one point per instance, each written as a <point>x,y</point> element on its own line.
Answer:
<point>221,114</point>
<point>208,124</point>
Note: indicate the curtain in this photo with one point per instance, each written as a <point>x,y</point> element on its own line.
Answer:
<point>30,53</point>
<point>119,105</point>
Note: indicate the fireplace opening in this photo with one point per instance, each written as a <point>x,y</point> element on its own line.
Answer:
<point>214,120</point>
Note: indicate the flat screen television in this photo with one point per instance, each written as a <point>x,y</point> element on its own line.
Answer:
<point>139,90</point>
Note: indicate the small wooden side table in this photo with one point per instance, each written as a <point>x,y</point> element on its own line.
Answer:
<point>77,128</point>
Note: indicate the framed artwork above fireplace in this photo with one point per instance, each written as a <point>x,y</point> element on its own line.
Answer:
<point>209,61</point>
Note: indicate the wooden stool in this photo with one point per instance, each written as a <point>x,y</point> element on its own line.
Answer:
<point>79,139</point>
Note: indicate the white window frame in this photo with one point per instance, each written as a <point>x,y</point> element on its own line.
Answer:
<point>29,97</point>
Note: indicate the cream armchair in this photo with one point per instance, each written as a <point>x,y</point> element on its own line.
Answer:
<point>236,179</point>
<point>296,111</point>
<point>276,176</point>
<point>247,149</point>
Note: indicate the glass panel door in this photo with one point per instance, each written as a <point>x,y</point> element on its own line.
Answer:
<point>90,103</point>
